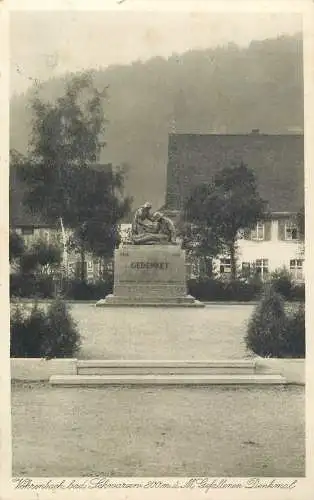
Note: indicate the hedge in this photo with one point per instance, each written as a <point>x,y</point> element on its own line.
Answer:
<point>206,289</point>
<point>40,334</point>
<point>212,289</point>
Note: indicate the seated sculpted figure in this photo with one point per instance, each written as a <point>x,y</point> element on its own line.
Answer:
<point>150,229</point>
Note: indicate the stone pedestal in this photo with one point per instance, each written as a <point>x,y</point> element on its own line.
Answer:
<point>149,275</point>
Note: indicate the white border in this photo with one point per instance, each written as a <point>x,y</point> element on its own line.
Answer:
<point>305,487</point>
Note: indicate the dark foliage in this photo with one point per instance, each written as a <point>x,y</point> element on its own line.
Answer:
<point>16,246</point>
<point>294,339</point>
<point>210,289</point>
<point>220,209</point>
<point>32,286</point>
<point>282,283</point>
<point>274,333</point>
<point>78,290</point>
<point>266,329</point>
<point>39,334</point>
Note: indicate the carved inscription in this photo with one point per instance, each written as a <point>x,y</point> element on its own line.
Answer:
<point>149,265</point>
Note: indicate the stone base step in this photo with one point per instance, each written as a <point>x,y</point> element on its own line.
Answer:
<point>126,380</point>
<point>165,367</point>
<point>127,301</point>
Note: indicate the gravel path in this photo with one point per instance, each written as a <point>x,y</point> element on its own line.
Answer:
<point>160,431</point>
<point>215,332</point>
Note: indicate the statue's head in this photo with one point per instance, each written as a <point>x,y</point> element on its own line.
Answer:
<point>157,216</point>
<point>146,208</point>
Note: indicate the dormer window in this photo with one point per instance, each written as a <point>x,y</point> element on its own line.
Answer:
<point>258,233</point>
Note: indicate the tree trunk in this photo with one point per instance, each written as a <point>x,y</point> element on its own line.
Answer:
<point>82,265</point>
<point>208,267</point>
<point>233,260</point>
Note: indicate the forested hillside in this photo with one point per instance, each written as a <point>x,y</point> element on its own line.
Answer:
<point>221,90</point>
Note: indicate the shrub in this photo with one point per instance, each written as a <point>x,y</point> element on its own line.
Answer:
<point>79,290</point>
<point>16,246</point>
<point>294,337</point>
<point>298,292</point>
<point>32,286</point>
<point>282,283</point>
<point>275,330</point>
<point>215,289</point>
<point>18,332</point>
<point>266,328</point>
<point>62,338</point>
<point>43,335</point>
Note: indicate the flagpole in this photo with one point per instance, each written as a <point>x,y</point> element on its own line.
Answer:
<point>65,253</point>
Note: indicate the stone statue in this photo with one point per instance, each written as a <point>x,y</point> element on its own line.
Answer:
<point>150,229</point>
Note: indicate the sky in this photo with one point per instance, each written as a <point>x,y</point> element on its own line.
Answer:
<point>48,44</point>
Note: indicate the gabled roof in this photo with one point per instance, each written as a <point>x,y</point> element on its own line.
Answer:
<point>277,160</point>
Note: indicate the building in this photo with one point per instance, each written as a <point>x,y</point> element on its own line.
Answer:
<point>278,163</point>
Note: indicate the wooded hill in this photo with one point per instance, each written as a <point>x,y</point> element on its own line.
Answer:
<point>221,90</point>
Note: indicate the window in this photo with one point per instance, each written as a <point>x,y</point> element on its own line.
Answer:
<point>291,231</point>
<point>71,269</point>
<point>79,269</point>
<point>246,268</point>
<point>257,233</point>
<point>261,266</point>
<point>225,266</point>
<point>296,269</point>
<point>46,235</point>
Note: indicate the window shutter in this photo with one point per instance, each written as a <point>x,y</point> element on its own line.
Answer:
<point>281,230</point>
<point>267,230</point>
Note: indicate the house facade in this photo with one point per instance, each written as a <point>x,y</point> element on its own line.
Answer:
<point>277,161</point>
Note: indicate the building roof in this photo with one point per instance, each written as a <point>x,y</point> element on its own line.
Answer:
<point>19,213</point>
<point>277,160</point>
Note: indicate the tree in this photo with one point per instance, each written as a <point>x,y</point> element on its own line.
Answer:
<point>301,223</point>
<point>100,206</point>
<point>201,243</point>
<point>67,137</point>
<point>41,258</point>
<point>16,246</point>
<point>223,207</point>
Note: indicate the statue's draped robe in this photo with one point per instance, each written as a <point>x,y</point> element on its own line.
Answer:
<point>147,231</point>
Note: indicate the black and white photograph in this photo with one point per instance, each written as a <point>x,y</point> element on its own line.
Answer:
<point>157,271</point>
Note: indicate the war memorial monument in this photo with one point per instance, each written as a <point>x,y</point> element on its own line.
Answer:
<point>150,269</point>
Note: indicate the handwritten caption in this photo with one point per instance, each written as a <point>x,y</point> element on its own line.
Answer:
<point>204,484</point>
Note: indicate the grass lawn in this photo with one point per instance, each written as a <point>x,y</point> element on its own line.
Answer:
<point>215,332</point>
<point>159,431</point>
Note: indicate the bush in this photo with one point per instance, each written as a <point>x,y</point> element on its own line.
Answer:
<point>274,333</point>
<point>266,328</point>
<point>214,289</point>
<point>62,338</point>
<point>39,334</point>
<point>282,283</point>
<point>32,286</point>
<point>295,335</point>
<point>78,290</point>
<point>298,292</point>
<point>16,246</point>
